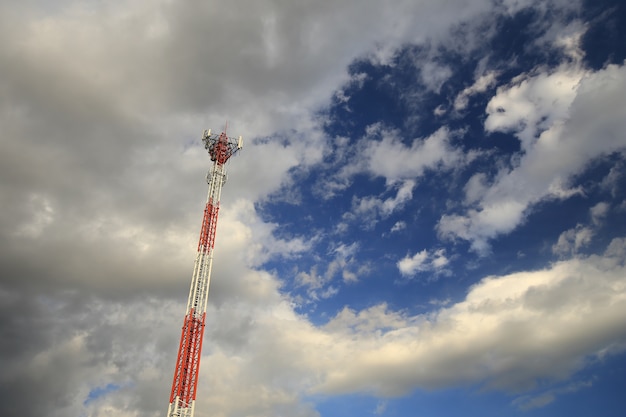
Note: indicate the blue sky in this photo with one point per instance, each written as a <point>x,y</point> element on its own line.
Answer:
<point>427,217</point>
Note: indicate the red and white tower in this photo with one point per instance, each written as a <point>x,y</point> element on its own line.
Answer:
<point>185,383</point>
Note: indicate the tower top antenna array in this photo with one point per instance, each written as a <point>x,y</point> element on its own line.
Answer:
<point>221,147</point>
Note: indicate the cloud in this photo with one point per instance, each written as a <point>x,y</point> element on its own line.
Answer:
<point>369,209</point>
<point>612,180</point>
<point>383,153</point>
<point>78,346</point>
<point>397,226</point>
<point>381,407</point>
<point>471,340</point>
<point>409,265</point>
<point>480,86</point>
<point>277,52</point>
<point>434,75</point>
<point>259,345</point>
<point>572,240</point>
<point>391,159</point>
<point>533,104</point>
<point>529,402</point>
<point>424,261</point>
<point>343,265</point>
<point>564,120</point>
<point>599,212</point>
<point>241,223</point>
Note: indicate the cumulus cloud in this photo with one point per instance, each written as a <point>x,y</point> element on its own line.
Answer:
<point>424,261</point>
<point>572,240</point>
<point>533,104</point>
<point>391,159</point>
<point>470,341</point>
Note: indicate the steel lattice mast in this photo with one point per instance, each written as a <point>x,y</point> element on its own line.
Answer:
<point>185,383</point>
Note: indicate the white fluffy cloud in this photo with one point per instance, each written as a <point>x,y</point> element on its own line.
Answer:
<point>491,335</point>
<point>391,159</point>
<point>533,104</point>
<point>424,261</point>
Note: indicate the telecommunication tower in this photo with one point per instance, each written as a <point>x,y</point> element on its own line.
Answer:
<point>185,383</point>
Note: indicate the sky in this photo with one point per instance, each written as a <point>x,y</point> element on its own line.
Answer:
<point>426,219</point>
